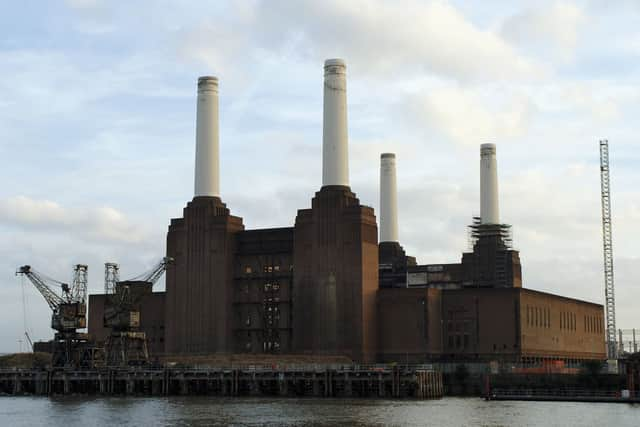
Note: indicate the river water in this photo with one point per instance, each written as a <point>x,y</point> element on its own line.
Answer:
<point>204,411</point>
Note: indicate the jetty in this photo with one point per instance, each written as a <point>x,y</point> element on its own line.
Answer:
<point>349,381</point>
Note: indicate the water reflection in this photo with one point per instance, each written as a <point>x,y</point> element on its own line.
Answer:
<point>201,411</point>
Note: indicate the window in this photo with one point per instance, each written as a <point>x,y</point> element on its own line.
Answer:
<point>247,270</point>
<point>548,317</point>
<point>248,321</point>
<point>276,268</point>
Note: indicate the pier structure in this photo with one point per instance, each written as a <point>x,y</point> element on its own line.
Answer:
<point>419,381</point>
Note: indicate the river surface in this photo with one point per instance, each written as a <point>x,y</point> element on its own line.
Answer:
<point>204,411</point>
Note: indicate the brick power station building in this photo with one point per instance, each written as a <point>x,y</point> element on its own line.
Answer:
<point>326,286</point>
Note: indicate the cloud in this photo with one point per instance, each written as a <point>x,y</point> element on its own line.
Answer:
<point>96,223</point>
<point>467,116</point>
<point>85,4</point>
<point>96,16</point>
<point>555,28</point>
<point>376,38</point>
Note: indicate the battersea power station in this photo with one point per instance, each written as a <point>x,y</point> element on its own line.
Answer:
<point>338,282</point>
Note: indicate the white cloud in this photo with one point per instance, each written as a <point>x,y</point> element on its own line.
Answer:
<point>380,38</point>
<point>404,37</point>
<point>98,223</point>
<point>555,28</point>
<point>468,116</point>
<point>85,4</point>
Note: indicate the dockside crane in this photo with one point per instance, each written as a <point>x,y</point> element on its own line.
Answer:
<point>69,313</point>
<point>126,344</point>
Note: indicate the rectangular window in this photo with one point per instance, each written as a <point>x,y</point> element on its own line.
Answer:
<point>548,317</point>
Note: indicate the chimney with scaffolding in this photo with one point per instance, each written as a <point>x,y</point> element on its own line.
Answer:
<point>492,261</point>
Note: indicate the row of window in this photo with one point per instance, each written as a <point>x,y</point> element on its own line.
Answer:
<point>539,317</point>
<point>459,341</point>
<point>267,287</point>
<point>567,320</point>
<point>265,269</point>
<point>267,346</point>
<point>459,326</point>
<point>270,315</point>
<point>593,324</point>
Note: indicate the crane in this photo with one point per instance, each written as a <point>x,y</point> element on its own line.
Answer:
<point>609,288</point>
<point>126,344</point>
<point>69,312</point>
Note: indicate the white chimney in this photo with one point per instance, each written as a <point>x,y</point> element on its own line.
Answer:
<point>335,156</point>
<point>207,177</point>
<point>489,212</point>
<point>388,198</point>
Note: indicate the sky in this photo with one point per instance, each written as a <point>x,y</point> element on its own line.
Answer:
<point>97,128</point>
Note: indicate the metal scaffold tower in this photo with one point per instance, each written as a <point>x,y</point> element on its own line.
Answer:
<point>609,293</point>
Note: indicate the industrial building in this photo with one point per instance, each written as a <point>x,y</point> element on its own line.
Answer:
<point>326,286</point>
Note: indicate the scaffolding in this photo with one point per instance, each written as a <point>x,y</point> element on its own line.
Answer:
<point>476,230</point>
<point>609,292</point>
